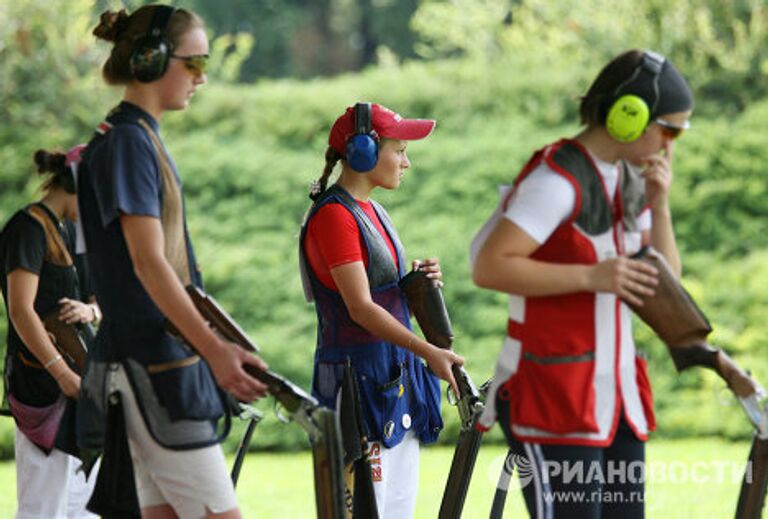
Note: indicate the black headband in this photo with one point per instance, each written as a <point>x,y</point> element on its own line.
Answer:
<point>659,84</point>
<point>674,93</point>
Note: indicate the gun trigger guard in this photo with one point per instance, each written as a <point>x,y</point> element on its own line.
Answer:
<point>280,414</point>
<point>724,396</point>
<point>451,396</point>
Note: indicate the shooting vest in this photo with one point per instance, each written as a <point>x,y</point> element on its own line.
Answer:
<point>397,393</point>
<point>180,400</point>
<point>569,361</point>
<point>33,396</point>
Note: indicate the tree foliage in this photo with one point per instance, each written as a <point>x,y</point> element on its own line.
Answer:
<point>718,44</point>
<point>48,64</point>
<point>304,38</point>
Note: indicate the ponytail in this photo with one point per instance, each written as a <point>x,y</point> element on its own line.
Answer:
<point>318,186</point>
<point>56,165</point>
<point>111,25</point>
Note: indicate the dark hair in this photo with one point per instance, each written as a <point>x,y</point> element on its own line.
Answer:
<point>596,102</point>
<point>54,164</point>
<point>331,158</point>
<point>122,29</point>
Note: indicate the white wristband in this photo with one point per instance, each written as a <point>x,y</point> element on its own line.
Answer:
<point>53,361</point>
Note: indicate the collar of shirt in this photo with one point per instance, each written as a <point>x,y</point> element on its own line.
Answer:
<point>127,112</point>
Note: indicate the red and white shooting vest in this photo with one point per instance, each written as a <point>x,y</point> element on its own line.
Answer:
<point>569,363</point>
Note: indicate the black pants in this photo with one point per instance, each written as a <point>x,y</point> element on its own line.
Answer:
<point>579,482</point>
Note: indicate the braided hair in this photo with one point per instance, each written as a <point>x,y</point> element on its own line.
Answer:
<point>317,187</point>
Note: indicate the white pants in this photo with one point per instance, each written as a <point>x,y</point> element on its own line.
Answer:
<point>193,482</point>
<point>395,475</point>
<point>50,487</point>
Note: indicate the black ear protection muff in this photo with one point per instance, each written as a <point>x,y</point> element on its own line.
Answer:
<point>362,149</point>
<point>68,180</point>
<point>152,51</point>
<point>629,114</point>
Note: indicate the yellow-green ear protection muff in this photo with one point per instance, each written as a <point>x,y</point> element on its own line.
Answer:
<point>629,114</point>
<point>152,50</point>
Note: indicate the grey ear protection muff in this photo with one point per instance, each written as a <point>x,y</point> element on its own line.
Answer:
<point>362,149</point>
<point>629,114</point>
<point>152,51</point>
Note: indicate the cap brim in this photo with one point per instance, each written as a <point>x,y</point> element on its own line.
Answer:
<point>410,129</point>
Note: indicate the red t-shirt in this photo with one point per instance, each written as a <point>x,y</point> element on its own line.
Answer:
<point>333,239</point>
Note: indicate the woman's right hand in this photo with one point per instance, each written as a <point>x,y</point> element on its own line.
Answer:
<point>227,367</point>
<point>631,280</point>
<point>440,362</point>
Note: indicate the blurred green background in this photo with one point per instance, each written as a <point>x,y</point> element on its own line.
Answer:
<point>502,77</point>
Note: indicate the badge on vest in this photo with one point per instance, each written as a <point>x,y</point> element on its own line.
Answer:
<point>406,421</point>
<point>389,429</point>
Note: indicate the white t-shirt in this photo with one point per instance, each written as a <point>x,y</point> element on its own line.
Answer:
<point>545,199</point>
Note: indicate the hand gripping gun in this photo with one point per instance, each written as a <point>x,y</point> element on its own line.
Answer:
<point>320,424</point>
<point>674,316</point>
<point>71,340</point>
<point>425,299</point>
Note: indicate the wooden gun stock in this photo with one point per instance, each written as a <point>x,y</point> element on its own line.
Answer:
<point>426,301</point>
<point>219,319</point>
<point>673,314</point>
<point>69,339</point>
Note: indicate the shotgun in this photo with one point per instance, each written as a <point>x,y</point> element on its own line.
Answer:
<point>320,424</point>
<point>426,301</point>
<point>672,313</point>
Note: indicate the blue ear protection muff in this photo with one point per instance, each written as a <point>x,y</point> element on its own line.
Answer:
<point>152,51</point>
<point>629,114</point>
<point>362,150</point>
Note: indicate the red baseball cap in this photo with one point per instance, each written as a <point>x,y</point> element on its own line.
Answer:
<point>386,123</point>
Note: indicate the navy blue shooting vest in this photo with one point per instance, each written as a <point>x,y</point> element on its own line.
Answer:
<point>397,392</point>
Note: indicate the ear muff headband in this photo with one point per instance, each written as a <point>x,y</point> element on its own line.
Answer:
<point>362,150</point>
<point>68,181</point>
<point>152,51</point>
<point>629,114</point>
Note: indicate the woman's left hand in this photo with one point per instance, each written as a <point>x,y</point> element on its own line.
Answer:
<point>73,311</point>
<point>431,266</point>
<point>658,176</point>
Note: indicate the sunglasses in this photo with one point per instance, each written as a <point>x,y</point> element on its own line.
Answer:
<point>671,131</point>
<point>195,64</point>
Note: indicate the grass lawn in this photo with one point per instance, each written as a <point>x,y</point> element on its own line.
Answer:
<point>686,479</point>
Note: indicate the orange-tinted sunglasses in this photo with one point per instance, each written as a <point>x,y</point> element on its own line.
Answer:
<point>671,131</point>
<point>195,64</point>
